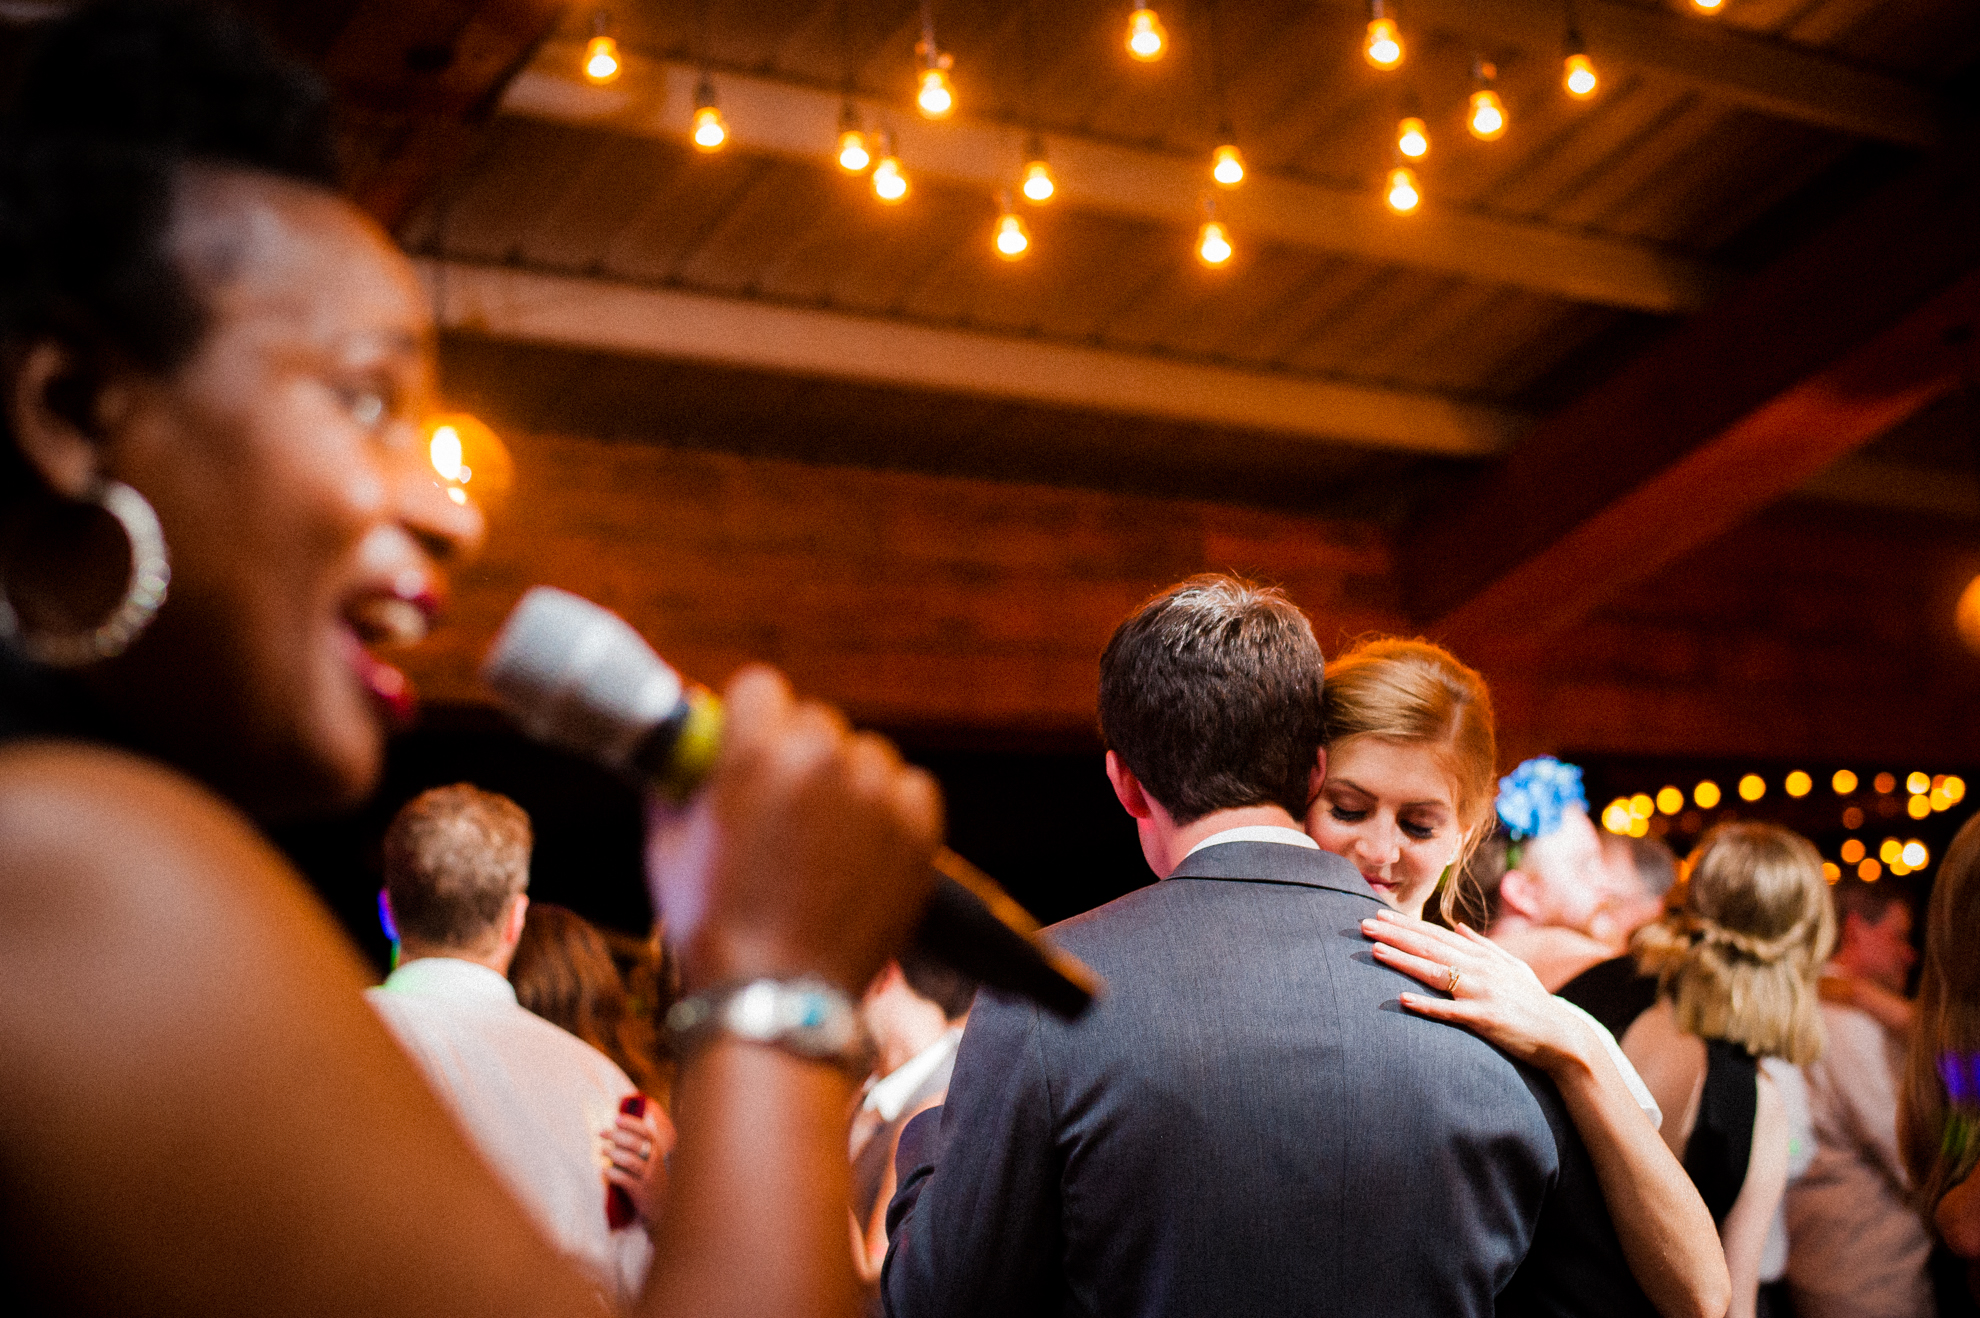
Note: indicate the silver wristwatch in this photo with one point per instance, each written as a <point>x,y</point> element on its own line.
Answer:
<point>807,1017</point>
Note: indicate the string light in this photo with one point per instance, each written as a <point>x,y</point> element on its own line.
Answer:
<point>936,97</point>
<point>1213,240</point>
<point>889,180</point>
<point>1578,76</point>
<point>1670,800</point>
<point>466,455</point>
<point>1798,784</point>
<point>1706,794</point>
<point>1403,196</point>
<point>1844,782</point>
<point>1885,784</point>
<point>1013,240</point>
<point>1915,854</point>
<point>1708,6</point>
<point>1918,807</point>
<point>1917,784</point>
<point>1616,816</point>
<point>1752,787</point>
<point>1869,871</point>
<point>1487,119</point>
<point>1146,38</point>
<point>1038,185</point>
<point>1227,166</point>
<point>1641,806</point>
<point>1852,851</point>
<point>1413,138</point>
<point>601,59</point>
<point>1383,47</point>
<point>710,133</point>
<point>1830,871</point>
<point>854,154</point>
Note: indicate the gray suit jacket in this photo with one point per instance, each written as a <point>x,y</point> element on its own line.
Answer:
<point>1247,1124</point>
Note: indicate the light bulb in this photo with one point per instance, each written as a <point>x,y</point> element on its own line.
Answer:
<point>1013,240</point>
<point>1404,196</point>
<point>1038,185</point>
<point>1708,6</point>
<point>1488,115</point>
<point>601,59</point>
<point>853,154</point>
<point>1578,76</point>
<point>1412,138</point>
<point>936,98</point>
<point>710,133</point>
<point>1383,48</point>
<point>1146,39</point>
<point>1227,166</point>
<point>1213,243</point>
<point>889,183</point>
<point>444,450</point>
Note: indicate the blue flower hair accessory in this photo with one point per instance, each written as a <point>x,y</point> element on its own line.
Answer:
<point>1536,797</point>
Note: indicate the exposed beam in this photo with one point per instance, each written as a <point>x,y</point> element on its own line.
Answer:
<point>584,313</point>
<point>1773,77</point>
<point>655,98</point>
<point>1823,351</point>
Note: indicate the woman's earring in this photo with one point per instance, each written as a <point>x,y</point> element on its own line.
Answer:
<point>144,592</point>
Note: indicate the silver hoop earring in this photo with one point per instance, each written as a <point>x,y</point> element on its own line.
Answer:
<point>144,592</point>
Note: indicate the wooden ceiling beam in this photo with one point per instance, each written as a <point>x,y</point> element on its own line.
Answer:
<point>1823,351</point>
<point>506,303</point>
<point>1772,77</point>
<point>655,98</point>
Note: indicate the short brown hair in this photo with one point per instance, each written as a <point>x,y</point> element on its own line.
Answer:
<point>454,858</point>
<point>1210,694</point>
<point>1738,951</point>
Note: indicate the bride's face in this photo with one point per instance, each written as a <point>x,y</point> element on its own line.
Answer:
<point>1390,809</point>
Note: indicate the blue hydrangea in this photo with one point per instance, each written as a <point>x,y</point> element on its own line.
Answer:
<point>1535,797</point>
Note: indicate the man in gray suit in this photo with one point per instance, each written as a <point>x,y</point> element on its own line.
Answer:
<point>1247,1123</point>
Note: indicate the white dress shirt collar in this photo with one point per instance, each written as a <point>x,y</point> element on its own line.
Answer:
<point>891,1093</point>
<point>451,978</point>
<point>1291,837</point>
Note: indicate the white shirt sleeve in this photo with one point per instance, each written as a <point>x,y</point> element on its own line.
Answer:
<point>1637,1089</point>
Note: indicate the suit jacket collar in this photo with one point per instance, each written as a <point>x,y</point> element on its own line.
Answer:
<point>1274,862</point>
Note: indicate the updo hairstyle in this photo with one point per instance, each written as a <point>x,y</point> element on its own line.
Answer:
<point>1739,950</point>
<point>1414,692</point>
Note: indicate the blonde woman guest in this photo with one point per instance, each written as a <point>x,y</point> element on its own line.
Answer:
<point>1409,792</point>
<point>1736,959</point>
<point>1939,1098</point>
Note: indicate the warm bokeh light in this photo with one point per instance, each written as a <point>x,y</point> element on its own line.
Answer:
<point>1915,854</point>
<point>854,155</point>
<point>1413,138</point>
<point>1954,788</point>
<point>1383,47</point>
<point>1852,851</point>
<point>1708,6</point>
<point>1038,185</point>
<point>1403,195</point>
<point>1227,166</point>
<point>1853,817</point>
<point>1884,783</point>
<point>1706,794</point>
<point>1146,38</point>
<point>1616,816</point>
<point>1487,120</point>
<point>936,98</point>
<point>889,181</point>
<point>710,133</point>
<point>1213,243</point>
<point>468,458</point>
<point>1890,850</point>
<point>1844,782</point>
<point>1966,615</point>
<point>1670,800</point>
<point>601,59</point>
<point>1578,77</point>
<point>1798,784</point>
<point>1013,239</point>
<point>1917,784</point>
<point>1869,871</point>
<point>1918,807</point>
<point>1752,787</point>
<point>1639,827</point>
<point>1642,805</point>
<point>1830,871</point>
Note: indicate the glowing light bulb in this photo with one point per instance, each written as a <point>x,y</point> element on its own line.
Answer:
<point>1227,166</point>
<point>1915,854</point>
<point>1798,783</point>
<point>1383,48</point>
<point>1917,784</point>
<point>1403,196</point>
<point>1213,243</point>
<point>936,97</point>
<point>1616,816</point>
<point>1146,38</point>
<point>444,450</point>
<point>1708,6</point>
<point>854,156</point>
<point>1706,794</point>
<point>889,182</point>
<point>1830,871</point>
<point>1578,76</point>
<point>1852,851</point>
<point>1013,239</point>
<point>1038,185</point>
<point>1413,138</point>
<point>1669,801</point>
<point>710,133</point>
<point>1752,787</point>
<point>1642,806</point>
<point>1844,782</point>
<point>601,59</point>
<point>1488,115</point>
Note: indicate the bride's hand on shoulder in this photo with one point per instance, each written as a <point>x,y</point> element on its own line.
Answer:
<point>1493,993</point>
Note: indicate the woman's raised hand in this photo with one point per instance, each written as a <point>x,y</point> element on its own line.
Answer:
<point>1493,993</point>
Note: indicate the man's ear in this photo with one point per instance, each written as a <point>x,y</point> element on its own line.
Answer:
<point>1316,779</point>
<point>1128,788</point>
<point>54,406</point>
<point>512,927</point>
<point>890,975</point>
<point>1519,892</point>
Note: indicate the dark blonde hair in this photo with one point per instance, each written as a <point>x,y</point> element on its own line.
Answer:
<point>1744,939</point>
<point>1415,692</point>
<point>1939,1132</point>
<point>454,857</point>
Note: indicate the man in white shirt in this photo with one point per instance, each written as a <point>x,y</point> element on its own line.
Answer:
<point>1855,1245</point>
<point>540,1104</point>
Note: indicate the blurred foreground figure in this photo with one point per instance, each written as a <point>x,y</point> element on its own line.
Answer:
<point>216,512</point>
<point>541,1104</point>
<point>1856,1243</point>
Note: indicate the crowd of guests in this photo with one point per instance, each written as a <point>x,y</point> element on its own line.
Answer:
<point>1358,1051</point>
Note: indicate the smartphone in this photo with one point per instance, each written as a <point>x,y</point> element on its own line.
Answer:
<point>619,1209</point>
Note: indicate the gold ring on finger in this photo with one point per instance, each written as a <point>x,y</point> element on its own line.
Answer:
<point>1456,975</point>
